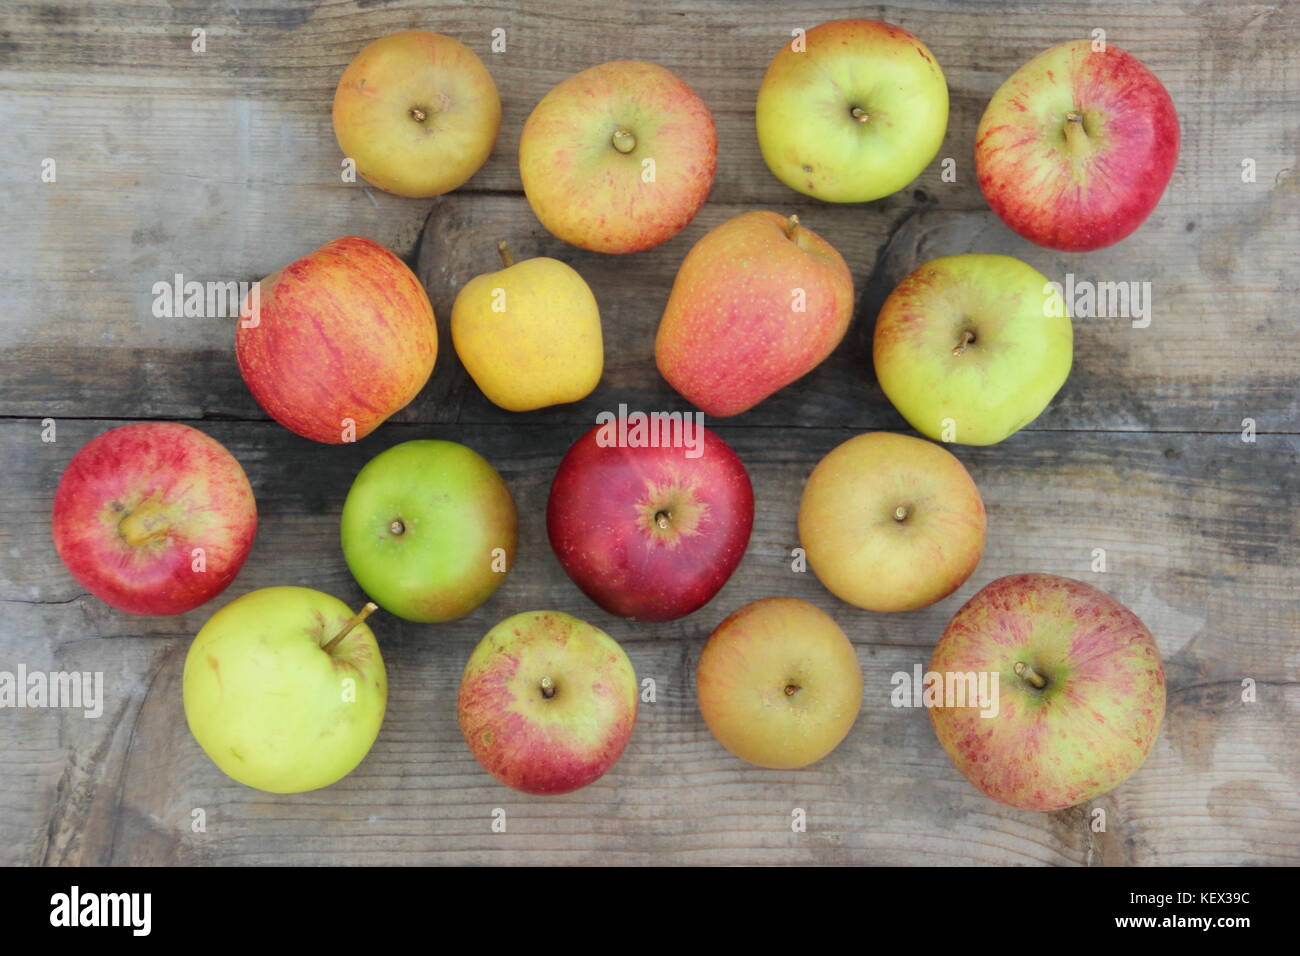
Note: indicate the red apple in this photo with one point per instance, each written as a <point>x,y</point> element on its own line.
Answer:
<point>154,518</point>
<point>343,338</point>
<point>1076,148</point>
<point>619,157</point>
<point>1080,691</point>
<point>547,702</point>
<point>650,533</point>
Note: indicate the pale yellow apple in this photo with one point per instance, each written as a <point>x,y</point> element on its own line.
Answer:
<point>891,522</point>
<point>418,112</point>
<point>529,334</point>
<point>779,684</point>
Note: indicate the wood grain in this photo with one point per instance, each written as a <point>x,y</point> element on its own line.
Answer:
<point>222,165</point>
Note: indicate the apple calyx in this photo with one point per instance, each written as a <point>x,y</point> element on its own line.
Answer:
<point>859,114</point>
<point>548,688</point>
<point>901,513</point>
<point>1028,674</point>
<point>506,258</point>
<point>147,522</point>
<point>967,337</point>
<point>349,624</point>
<point>792,689</point>
<point>397,527</point>
<point>623,140</point>
<point>419,114</point>
<point>663,519</point>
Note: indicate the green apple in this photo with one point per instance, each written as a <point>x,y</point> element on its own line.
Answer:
<point>971,348</point>
<point>285,689</point>
<point>429,530</point>
<point>852,111</point>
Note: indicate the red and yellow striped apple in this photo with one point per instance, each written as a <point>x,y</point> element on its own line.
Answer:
<point>1077,146</point>
<point>1081,691</point>
<point>154,518</point>
<point>758,302</point>
<point>619,157</point>
<point>547,702</point>
<point>344,337</point>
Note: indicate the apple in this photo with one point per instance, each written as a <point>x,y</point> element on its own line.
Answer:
<point>1077,146</point>
<point>891,522</point>
<point>971,348</point>
<point>547,702</point>
<point>418,113</point>
<point>649,532</point>
<point>619,157</point>
<point>154,518</point>
<point>852,111</point>
<point>758,302</point>
<point>429,530</point>
<point>779,684</point>
<point>1081,691</point>
<point>529,335</point>
<point>285,689</point>
<point>342,339</point>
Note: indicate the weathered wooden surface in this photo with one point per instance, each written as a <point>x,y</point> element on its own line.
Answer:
<point>223,166</point>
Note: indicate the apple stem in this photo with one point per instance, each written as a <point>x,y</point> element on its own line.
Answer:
<point>623,141</point>
<point>349,624</point>
<point>859,114</point>
<point>548,688</point>
<point>967,338</point>
<point>1076,137</point>
<point>791,690</point>
<point>791,226</point>
<point>661,519</point>
<point>1026,672</point>
<point>506,257</point>
<point>900,513</point>
<point>418,114</point>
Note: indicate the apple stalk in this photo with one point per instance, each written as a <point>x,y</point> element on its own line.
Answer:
<point>1027,673</point>
<point>349,624</point>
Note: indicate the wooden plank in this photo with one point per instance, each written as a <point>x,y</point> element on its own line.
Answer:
<point>1196,544</point>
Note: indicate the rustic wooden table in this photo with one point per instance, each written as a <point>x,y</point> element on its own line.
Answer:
<point>222,165</point>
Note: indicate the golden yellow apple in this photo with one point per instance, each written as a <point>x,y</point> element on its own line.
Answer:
<point>779,684</point>
<point>418,112</point>
<point>529,334</point>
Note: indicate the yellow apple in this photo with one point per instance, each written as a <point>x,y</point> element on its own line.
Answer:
<point>779,684</point>
<point>418,112</point>
<point>891,522</point>
<point>529,334</point>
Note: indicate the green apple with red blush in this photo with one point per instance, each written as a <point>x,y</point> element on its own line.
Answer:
<point>429,530</point>
<point>547,702</point>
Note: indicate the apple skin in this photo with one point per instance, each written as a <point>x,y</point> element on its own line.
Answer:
<point>998,382</point>
<point>345,333</point>
<point>535,743</point>
<point>379,100</point>
<point>593,195</point>
<point>135,502</point>
<point>1084,184</point>
<point>269,705</point>
<point>544,349</point>
<point>858,546</point>
<point>602,522</point>
<point>809,135</point>
<point>1088,729</point>
<point>779,684</point>
<point>453,511</point>
<point>730,335</point>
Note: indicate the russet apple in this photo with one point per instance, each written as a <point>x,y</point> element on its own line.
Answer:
<point>971,348</point>
<point>418,113</point>
<point>529,335</point>
<point>154,518</point>
<point>1077,146</point>
<point>851,111</point>
<point>619,157</point>
<point>650,533</point>
<point>285,689</point>
<point>344,337</point>
<point>758,302</point>
<point>1081,691</point>
<point>778,683</point>
<point>891,522</point>
<point>429,530</point>
<point>547,702</point>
